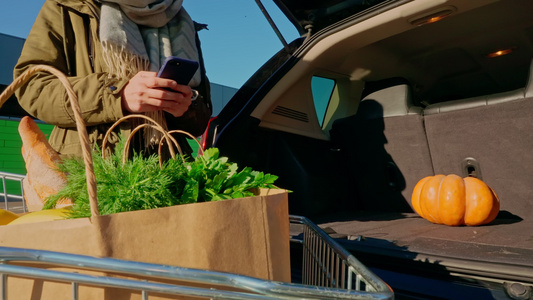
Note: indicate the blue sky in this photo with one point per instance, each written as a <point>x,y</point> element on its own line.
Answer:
<point>238,42</point>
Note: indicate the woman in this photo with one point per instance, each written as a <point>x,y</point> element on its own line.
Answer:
<point>110,51</point>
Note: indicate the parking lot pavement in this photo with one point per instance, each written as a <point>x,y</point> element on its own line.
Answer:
<point>13,205</point>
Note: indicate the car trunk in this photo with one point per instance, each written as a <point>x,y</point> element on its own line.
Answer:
<point>384,239</point>
<point>385,233</point>
<point>356,179</point>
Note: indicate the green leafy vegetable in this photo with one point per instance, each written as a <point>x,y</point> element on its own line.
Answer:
<point>141,183</point>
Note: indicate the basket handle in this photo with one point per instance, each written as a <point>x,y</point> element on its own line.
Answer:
<point>187,134</point>
<point>80,123</point>
<point>166,136</point>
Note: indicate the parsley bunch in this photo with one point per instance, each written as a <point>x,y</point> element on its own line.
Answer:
<point>141,183</point>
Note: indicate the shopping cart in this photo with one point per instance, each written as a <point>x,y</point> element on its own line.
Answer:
<point>321,269</point>
<point>12,201</point>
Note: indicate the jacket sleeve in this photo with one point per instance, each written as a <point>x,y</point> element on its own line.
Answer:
<point>44,96</point>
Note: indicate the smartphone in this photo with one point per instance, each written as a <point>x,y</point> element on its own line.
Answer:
<point>178,69</point>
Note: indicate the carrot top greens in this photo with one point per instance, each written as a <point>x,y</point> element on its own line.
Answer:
<point>141,183</point>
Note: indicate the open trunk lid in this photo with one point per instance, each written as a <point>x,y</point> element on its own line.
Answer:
<point>315,15</point>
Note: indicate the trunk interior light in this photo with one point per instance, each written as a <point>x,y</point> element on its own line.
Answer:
<point>500,52</point>
<point>433,16</point>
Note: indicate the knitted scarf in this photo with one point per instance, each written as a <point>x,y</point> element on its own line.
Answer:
<point>137,35</point>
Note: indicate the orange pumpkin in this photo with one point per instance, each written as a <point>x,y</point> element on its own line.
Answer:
<point>452,200</point>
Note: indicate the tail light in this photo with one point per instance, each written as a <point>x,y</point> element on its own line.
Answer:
<point>210,133</point>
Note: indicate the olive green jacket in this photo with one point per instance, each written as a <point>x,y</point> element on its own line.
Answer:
<point>65,36</point>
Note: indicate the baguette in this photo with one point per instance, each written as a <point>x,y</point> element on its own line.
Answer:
<point>43,177</point>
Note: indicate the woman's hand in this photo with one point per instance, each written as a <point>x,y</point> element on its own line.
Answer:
<point>146,92</point>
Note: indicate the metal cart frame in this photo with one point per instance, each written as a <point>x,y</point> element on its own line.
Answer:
<point>5,176</point>
<point>328,271</point>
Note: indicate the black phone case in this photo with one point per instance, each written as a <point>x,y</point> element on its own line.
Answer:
<point>178,69</point>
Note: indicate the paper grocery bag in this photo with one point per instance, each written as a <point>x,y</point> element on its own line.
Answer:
<point>248,236</point>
